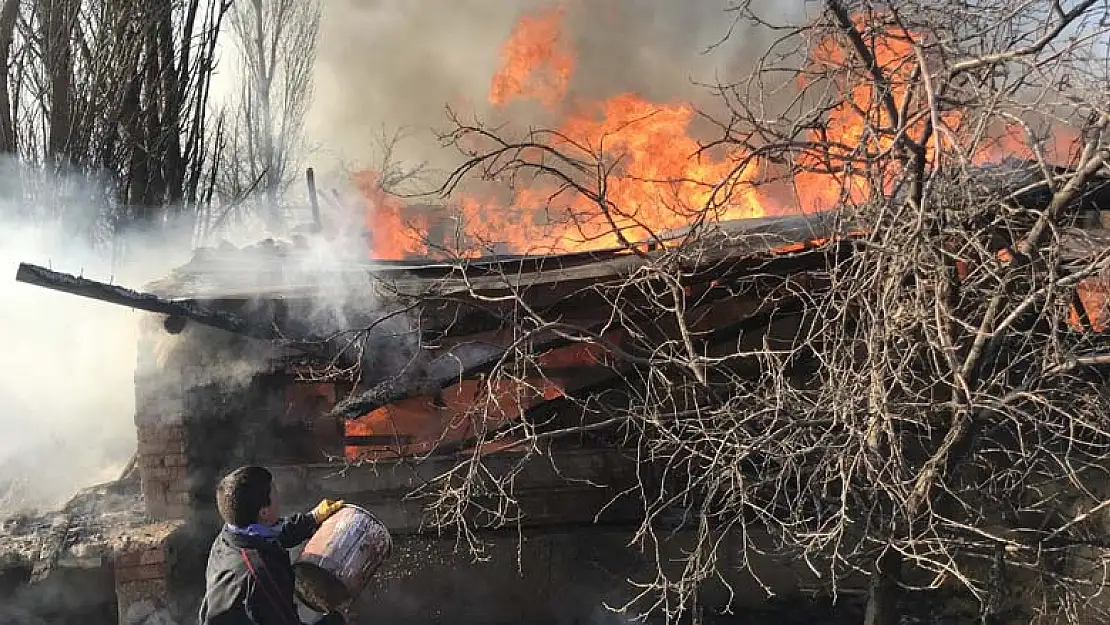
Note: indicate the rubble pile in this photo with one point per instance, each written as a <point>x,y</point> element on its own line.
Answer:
<point>96,525</point>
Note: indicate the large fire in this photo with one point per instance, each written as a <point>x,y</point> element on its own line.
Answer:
<point>660,179</point>
<point>641,173</point>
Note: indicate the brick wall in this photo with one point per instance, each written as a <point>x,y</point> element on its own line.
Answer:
<point>163,469</point>
<point>149,563</point>
<point>160,414</point>
<point>205,404</point>
<point>142,585</point>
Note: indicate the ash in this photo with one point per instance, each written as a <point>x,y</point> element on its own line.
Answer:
<point>91,528</point>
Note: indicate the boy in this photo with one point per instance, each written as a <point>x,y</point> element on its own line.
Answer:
<point>250,578</point>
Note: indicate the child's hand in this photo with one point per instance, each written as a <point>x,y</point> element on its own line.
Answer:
<point>325,509</point>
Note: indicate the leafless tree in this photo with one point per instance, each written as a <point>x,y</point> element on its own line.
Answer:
<point>113,97</point>
<point>933,416</point>
<point>276,41</point>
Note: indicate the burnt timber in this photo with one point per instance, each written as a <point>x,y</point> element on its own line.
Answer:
<point>454,321</point>
<point>458,317</point>
<point>112,294</point>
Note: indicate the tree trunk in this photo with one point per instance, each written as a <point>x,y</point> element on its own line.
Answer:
<point>57,19</point>
<point>882,596</point>
<point>173,168</point>
<point>9,14</point>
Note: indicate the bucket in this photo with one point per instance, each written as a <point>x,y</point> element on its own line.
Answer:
<point>340,558</point>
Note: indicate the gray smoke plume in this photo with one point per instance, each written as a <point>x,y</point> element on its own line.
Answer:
<point>398,63</point>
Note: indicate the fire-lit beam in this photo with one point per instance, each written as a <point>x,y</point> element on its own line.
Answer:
<point>397,389</point>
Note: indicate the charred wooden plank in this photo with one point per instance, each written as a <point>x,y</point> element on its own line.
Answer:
<point>112,294</point>
<point>400,387</point>
<point>461,314</point>
<point>377,440</point>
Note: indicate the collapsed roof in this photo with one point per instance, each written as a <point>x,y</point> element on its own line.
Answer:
<point>274,270</point>
<point>453,321</point>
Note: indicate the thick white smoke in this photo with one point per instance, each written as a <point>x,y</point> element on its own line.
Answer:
<point>67,388</point>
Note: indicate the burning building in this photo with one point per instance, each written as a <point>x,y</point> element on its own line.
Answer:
<point>369,380</point>
<point>236,370</point>
<point>377,378</point>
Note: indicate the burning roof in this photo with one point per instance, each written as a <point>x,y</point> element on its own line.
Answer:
<point>449,320</point>
<point>278,270</point>
<point>626,168</point>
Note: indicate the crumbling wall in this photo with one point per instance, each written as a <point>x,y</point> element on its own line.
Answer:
<point>159,423</point>
<point>206,401</point>
<point>142,585</point>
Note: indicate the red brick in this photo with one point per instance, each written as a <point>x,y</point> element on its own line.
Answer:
<point>153,556</point>
<point>164,432</point>
<point>159,509</point>
<point>140,573</point>
<point>162,447</point>
<point>164,475</point>
<point>151,446</point>
<point>140,557</point>
<point>130,591</point>
<point>153,476</point>
<point>128,559</point>
<point>155,496</point>
<point>183,498</point>
<point>180,486</point>
<point>150,460</point>
<point>164,468</point>
<point>157,417</point>
<point>176,511</point>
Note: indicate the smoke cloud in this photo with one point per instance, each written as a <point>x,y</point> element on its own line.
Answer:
<point>398,63</point>
<point>67,389</point>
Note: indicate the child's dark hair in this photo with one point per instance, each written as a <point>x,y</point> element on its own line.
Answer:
<point>242,494</point>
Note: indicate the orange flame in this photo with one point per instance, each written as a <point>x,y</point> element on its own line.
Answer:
<point>659,185</point>
<point>535,45</point>
<point>1092,295</point>
<point>394,235</point>
<point>1060,147</point>
<point>640,173</point>
<point>649,176</point>
<point>861,132</point>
